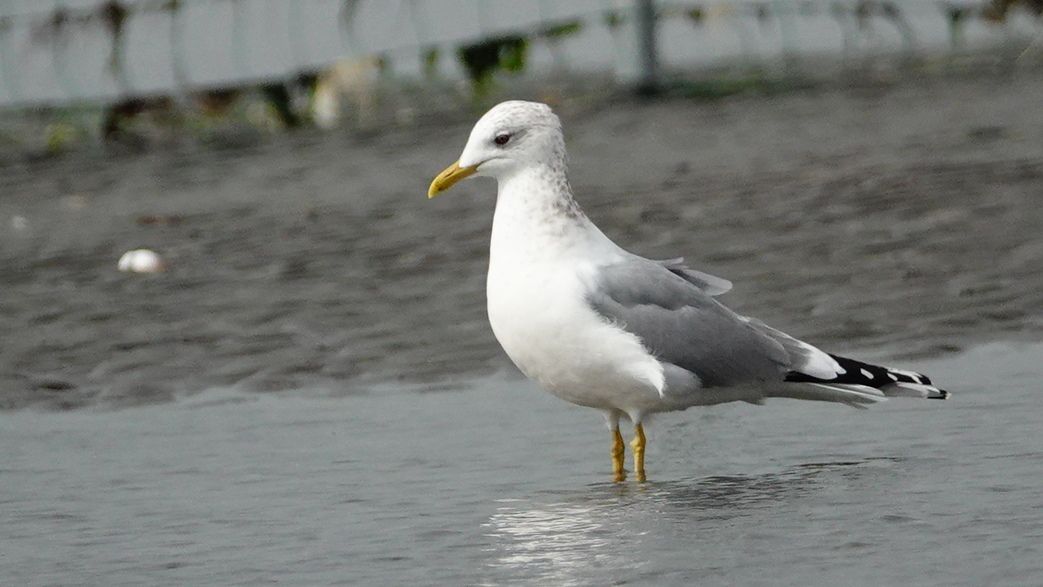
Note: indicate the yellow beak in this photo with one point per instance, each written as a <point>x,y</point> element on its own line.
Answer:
<point>449,177</point>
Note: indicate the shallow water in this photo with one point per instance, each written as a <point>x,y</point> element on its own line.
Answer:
<point>497,482</point>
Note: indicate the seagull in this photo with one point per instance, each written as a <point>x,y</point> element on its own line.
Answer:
<point>598,326</point>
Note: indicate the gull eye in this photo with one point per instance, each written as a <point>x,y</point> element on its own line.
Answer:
<point>501,139</point>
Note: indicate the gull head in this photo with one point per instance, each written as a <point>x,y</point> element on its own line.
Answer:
<point>510,137</point>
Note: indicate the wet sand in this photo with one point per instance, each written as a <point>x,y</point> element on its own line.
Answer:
<point>901,221</point>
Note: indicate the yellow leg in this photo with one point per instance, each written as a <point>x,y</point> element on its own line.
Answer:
<point>638,444</point>
<point>618,452</point>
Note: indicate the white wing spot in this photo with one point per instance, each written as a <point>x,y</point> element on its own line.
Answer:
<point>866,374</point>
<point>892,376</point>
<point>910,374</point>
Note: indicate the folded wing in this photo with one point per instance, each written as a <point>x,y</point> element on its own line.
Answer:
<point>681,324</point>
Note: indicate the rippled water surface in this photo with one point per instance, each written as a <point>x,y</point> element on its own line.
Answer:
<point>498,482</point>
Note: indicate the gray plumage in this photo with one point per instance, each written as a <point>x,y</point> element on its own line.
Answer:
<point>683,325</point>
<point>710,284</point>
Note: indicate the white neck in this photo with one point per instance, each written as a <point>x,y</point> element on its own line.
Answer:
<point>534,210</point>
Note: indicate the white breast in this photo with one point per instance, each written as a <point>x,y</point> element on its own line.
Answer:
<point>540,317</point>
<point>543,254</point>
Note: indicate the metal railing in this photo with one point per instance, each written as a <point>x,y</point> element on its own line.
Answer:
<point>56,52</point>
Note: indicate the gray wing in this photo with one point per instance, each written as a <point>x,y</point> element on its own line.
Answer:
<point>710,284</point>
<point>683,325</point>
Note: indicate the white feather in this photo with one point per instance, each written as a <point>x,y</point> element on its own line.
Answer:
<point>904,389</point>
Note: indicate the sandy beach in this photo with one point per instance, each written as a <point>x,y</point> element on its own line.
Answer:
<point>897,221</point>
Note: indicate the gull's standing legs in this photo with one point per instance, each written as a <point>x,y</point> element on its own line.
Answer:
<point>638,444</point>
<point>618,448</point>
<point>618,451</point>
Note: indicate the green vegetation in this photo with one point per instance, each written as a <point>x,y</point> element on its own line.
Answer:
<point>614,19</point>
<point>58,136</point>
<point>562,30</point>
<point>483,59</point>
<point>430,58</point>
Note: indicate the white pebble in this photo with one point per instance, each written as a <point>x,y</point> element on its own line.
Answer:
<point>141,261</point>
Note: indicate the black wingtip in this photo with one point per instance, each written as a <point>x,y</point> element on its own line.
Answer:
<point>893,382</point>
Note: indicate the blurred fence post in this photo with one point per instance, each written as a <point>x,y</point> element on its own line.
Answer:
<point>9,79</point>
<point>640,60</point>
<point>787,35</point>
<point>178,57</point>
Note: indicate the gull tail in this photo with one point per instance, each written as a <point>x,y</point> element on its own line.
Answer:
<point>874,380</point>
<point>856,396</point>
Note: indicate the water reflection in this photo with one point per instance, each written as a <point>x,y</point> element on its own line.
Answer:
<point>583,536</point>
